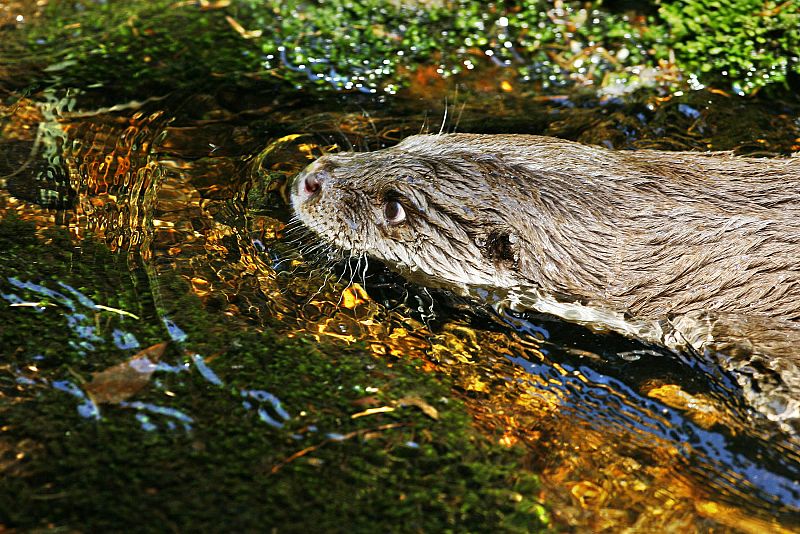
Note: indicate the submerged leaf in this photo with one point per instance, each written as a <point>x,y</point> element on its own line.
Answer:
<point>124,380</point>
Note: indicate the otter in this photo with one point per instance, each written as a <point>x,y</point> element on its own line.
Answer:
<point>686,249</point>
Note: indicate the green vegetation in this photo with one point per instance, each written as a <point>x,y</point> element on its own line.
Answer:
<point>140,48</point>
<point>260,435</point>
<point>751,42</point>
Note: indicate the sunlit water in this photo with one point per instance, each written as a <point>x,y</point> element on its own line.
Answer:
<point>624,434</point>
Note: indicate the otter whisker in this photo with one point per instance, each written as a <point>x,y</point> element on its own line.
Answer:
<point>294,226</point>
<point>370,120</point>
<point>355,269</point>
<point>444,118</point>
<point>313,248</point>
<point>341,293</point>
<point>424,126</point>
<point>345,138</point>
<point>313,244</point>
<point>314,260</point>
<point>322,258</point>
<point>460,112</point>
<point>276,266</point>
<point>347,266</point>
<point>364,272</point>
<point>318,291</point>
<point>295,240</point>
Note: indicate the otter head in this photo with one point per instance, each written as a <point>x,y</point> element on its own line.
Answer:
<point>435,220</point>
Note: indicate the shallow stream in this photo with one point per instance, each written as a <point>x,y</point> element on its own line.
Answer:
<point>145,254</point>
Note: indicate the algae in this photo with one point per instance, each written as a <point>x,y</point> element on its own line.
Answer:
<point>241,430</point>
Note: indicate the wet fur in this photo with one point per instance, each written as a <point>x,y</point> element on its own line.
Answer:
<point>653,233</point>
<point>648,235</point>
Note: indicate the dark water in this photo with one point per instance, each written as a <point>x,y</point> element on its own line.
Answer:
<point>174,209</point>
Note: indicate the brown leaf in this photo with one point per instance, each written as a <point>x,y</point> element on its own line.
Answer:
<point>122,381</point>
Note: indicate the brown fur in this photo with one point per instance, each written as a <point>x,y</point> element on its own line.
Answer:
<point>651,235</point>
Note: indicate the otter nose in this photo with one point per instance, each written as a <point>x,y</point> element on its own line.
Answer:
<point>312,180</point>
<point>312,183</point>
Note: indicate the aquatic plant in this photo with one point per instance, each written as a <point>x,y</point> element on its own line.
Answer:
<point>375,45</point>
<point>752,43</point>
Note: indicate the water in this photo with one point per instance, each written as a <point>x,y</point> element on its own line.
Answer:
<point>156,310</point>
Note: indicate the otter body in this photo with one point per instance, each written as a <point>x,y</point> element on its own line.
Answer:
<point>650,233</point>
<point>619,237</point>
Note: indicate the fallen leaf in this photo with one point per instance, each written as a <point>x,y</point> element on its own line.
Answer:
<point>124,380</point>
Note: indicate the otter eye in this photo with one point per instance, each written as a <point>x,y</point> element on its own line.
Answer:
<point>393,212</point>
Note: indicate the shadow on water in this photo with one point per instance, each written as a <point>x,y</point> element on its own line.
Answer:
<point>623,434</point>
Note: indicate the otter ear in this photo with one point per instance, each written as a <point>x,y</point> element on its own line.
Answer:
<point>500,247</point>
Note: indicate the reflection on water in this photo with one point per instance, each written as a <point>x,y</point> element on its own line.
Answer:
<point>626,454</point>
<point>611,406</point>
<point>625,435</point>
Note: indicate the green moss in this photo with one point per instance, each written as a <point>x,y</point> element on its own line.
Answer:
<point>367,45</point>
<point>242,463</point>
<point>750,42</point>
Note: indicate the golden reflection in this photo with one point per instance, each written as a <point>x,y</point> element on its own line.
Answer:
<point>588,494</point>
<point>201,287</point>
<point>702,410</point>
<point>737,520</point>
<point>353,295</point>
